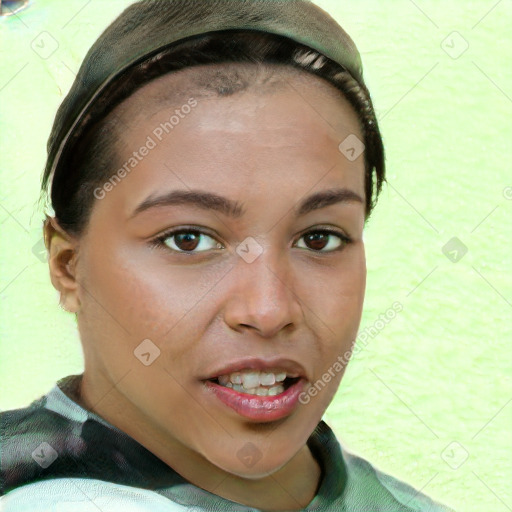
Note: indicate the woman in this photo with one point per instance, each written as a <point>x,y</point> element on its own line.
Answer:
<point>210,174</point>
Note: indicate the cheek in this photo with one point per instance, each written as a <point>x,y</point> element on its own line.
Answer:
<point>336,309</point>
<point>128,297</point>
<point>347,300</point>
<point>335,297</point>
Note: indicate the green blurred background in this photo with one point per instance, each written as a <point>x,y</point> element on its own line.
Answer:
<point>428,396</point>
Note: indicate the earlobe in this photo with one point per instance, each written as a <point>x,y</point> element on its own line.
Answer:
<point>62,255</point>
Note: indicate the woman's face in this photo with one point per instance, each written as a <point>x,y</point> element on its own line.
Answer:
<point>240,291</point>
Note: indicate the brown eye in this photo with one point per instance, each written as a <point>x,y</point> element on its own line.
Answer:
<point>320,239</point>
<point>188,241</point>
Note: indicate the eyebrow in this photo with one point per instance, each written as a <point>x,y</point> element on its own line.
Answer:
<point>210,201</point>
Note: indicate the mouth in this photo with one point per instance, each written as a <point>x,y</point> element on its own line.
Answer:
<point>258,390</point>
<point>255,383</point>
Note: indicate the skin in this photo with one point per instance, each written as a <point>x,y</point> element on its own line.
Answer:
<point>267,149</point>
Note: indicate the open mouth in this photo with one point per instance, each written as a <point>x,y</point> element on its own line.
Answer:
<point>261,390</point>
<point>250,386</point>
<point>264,394</point>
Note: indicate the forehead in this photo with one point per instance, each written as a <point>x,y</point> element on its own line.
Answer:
<point>222,80</point>
<point>262,146</point>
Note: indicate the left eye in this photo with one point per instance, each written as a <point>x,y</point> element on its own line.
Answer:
<point>188,240</point>
<point>318,238</point>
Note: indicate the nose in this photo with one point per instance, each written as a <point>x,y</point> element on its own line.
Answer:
<point>262,297</point>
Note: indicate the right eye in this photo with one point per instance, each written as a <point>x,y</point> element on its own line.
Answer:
<point>186,240</point>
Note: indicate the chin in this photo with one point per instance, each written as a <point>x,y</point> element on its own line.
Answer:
<point>260,469</point>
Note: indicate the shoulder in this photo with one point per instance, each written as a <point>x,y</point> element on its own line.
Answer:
<point>367,483</point>
<point>30,438</point>
<point>84,495</point>
<point>17,423</point>
<point>43,467</point>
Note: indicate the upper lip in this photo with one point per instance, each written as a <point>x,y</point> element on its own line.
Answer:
<point>291,367</point>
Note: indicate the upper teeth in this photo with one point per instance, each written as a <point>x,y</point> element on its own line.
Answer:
<point>252,379</point>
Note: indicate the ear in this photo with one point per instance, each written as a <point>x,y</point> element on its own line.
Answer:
<point>62,255</point>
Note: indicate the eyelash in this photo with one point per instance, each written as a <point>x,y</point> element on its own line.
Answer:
<point>159,241</point>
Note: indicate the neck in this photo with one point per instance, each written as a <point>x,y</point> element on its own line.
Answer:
<point>292,487</point>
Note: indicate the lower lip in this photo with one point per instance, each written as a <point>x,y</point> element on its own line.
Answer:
<point>259,408</point>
